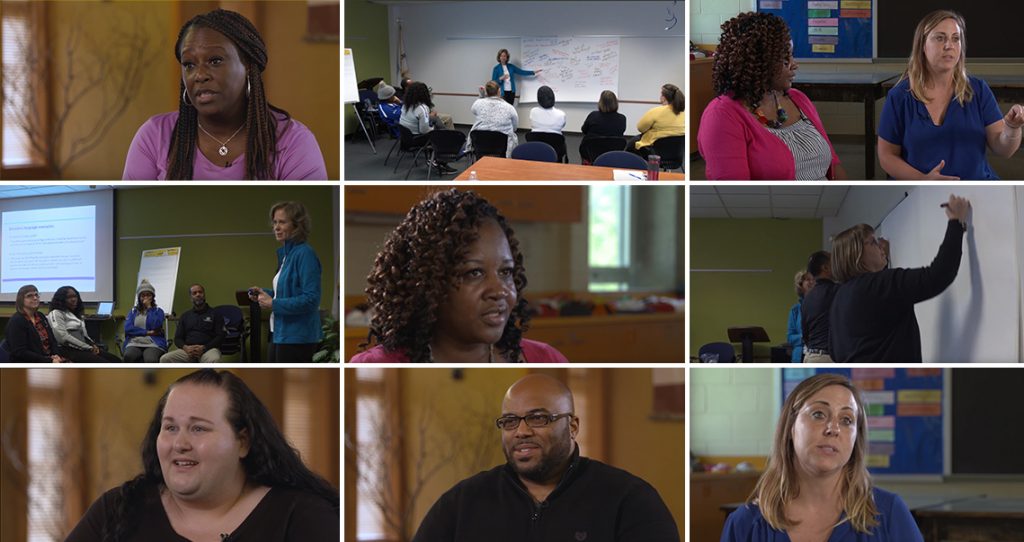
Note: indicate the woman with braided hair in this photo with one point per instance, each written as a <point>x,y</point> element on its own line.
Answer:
<point>224,129</point>
<point>448,286</point>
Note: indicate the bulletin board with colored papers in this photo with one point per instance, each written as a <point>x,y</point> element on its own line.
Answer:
<point>827,29</point>
<point>905,415</point>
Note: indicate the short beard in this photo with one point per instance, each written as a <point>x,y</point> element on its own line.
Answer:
<point>550,464</point>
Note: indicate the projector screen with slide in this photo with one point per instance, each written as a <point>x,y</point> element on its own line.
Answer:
<point>58,240</point>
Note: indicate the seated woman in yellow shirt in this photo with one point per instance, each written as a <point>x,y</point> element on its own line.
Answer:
<point>665,120</point>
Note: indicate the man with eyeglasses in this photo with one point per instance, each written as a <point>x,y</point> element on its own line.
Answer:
<point>546,491</point>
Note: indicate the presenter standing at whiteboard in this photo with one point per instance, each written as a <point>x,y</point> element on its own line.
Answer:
<point>938,122</point>
<point>504,74</point>
<point>872,316</point>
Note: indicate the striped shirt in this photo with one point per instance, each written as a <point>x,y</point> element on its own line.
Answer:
<point>811,152</point>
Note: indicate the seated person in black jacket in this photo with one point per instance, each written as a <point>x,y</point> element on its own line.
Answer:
<point>29,337</point>
<point>872,317</point>
<point>547,491</point>
<point>199,334</point>
<point>815,308</point>
<point>605,122</point>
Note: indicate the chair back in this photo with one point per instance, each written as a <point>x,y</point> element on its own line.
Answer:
<point>538,151</point>
<point>410,141</point>
<point>488,143</point>
<point>234,329</point>
<point>557,141</point>
<point>670,149</point>
<point>726,352</point>
<point>595,146</point>
<point>447,144</point>
<point>621,159</point>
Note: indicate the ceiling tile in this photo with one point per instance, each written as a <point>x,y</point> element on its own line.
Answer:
<point>746,201</point>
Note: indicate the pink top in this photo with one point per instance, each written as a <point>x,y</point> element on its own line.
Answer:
<point>298,154</point>
<point>533,352</point>
<point>736,146</point>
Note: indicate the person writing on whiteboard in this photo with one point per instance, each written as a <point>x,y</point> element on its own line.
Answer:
<point>144,335</point>
<point>224,128</point>
<point>759,127</point>
<point>29,336</point>
<point>295,297</point>
<point>665,120</point>
<point>872,316</point>
<point>816,485</point>
<point>504,75</point>
<point>938,122</point>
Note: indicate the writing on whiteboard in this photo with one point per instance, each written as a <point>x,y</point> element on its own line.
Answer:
<point>576,68</point>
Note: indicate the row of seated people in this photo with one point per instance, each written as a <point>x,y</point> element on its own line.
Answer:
<point>603,130</point>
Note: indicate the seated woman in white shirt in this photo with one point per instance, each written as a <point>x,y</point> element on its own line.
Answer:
<point>547,117</point>
<point>493,113</point>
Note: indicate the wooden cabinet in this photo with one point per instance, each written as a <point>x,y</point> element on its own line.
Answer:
<point>525,203</point>
<point>708,492</point>
<point>701,93</point>
<point>623,338</point>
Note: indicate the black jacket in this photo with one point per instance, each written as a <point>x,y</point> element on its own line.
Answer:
<point>594,502</point>
<point>872,317</point>
<point>814,314</point>
<point>200,327</point>
<point>23,340</point>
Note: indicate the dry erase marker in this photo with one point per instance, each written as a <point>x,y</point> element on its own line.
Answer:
<point>943,205</point>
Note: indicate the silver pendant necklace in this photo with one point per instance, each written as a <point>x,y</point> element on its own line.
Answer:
<point>223,150</point>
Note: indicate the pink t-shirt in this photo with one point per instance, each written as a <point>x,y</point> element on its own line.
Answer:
<point>298,154</point>
<point>533,352</point>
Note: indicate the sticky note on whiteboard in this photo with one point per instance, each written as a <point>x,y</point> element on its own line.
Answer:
<point>823,48</point>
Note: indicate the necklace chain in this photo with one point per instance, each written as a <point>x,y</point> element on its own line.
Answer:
<point>490,354</point>
<point>223,150</point>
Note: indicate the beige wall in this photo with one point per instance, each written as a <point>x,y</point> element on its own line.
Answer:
<point>651,449</point>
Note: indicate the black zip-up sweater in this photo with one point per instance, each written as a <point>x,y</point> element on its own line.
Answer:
<point>594,502</point>
<point>872,318</point>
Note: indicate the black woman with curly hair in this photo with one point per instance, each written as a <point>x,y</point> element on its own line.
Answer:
<point>224,128</point>
<point>68,325</point>
<point>215,467</point>
<point>447,287</point>
<point>759,126</point>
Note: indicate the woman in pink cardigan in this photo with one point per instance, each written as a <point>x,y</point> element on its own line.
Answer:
<point>758,126</point>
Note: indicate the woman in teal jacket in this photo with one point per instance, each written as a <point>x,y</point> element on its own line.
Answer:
<point>504,73</point>
<point>294,300</point>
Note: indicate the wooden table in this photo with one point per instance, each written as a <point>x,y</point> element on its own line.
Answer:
<point>979,519</point>
<point>849,87</point>
<point>490,168</point>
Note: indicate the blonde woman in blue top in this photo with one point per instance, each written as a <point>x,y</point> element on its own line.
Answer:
<point>504,74</point>
<point>938,122</point>
<point>816,486</point>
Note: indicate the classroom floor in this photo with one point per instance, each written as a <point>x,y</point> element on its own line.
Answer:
<point>851,153</point>
<point>361,164</point>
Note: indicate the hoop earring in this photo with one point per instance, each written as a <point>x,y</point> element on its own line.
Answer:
<point>184,97</point>
<point>248,87</point>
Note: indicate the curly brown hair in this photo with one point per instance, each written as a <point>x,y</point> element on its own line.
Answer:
<point>750,54</point>
<point>414,272</point>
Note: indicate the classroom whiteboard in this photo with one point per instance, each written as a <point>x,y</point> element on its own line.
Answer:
<point>576,68</point>
<point>978,318</point>
<point>159,267</point>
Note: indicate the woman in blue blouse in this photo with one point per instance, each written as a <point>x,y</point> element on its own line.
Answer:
<point>504,74</point>
<point>816,485</point>
<point>294,300</point>
<point>937,122</point>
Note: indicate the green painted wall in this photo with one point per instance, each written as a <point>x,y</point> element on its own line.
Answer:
<point>722,300</point>
<point>223,263</point>
<point>366,33</point>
